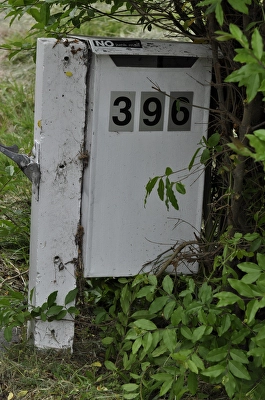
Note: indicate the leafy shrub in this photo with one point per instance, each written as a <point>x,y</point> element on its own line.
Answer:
<point>165,336</point>
<point>14,310</point>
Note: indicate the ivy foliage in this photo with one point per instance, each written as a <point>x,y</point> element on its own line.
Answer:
<point>166,336</point>
<point>15,310</point>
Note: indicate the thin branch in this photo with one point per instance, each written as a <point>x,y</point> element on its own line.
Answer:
<point>166,264</point>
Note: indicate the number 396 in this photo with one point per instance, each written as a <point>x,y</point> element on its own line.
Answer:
<point>152,111</point>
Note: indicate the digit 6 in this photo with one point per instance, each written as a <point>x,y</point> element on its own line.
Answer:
<point>176,110</point>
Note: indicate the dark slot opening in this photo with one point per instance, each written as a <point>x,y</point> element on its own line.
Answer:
<point>153,61</point>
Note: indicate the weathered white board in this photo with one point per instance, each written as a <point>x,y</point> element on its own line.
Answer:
<point>133,133</point>
<point>60,115</point>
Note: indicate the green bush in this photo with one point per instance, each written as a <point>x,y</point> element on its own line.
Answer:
<point>166,336</point>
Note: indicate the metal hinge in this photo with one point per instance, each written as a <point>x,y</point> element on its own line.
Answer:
<point>28,165</point>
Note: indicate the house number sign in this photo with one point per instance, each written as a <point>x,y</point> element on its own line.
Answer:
<point>154,114</point>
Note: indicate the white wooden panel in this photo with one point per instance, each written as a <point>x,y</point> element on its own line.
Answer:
<point>120,234</point>
<point>59,133</point>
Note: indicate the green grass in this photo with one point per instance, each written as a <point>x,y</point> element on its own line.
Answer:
<point>29,374</point>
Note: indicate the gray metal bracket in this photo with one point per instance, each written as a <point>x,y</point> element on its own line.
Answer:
<point>27,164</point>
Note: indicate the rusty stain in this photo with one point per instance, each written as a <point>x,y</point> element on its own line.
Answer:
<point>74,50</point>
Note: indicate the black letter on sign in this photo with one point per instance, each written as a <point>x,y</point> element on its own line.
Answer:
<point>157,112</point>
<point>175,111</point>
<point>124,110</point>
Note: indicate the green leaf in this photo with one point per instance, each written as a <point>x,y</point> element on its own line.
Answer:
<point>181,355</point>
<point>125,299</point>
<point>238,337</point>
<point>250,237</point>
<point>249,267</point>
<point>145,324</point>
<point>192,383</point>
<point>160,350</point>
<point>8,332</point>
<point>158,304</point>
<point>250,278</point>
<point>152,280</point>
<point>252,85</point>
<point>226,298</point>
<point>132,334</point>
<point>61,315</point>
<point>206,155</point>
<point>223,36</point>
<point>225,324</point>
<point>161,376</point>
<point>107,340</point>
<point>260,335</point>
<point>52,297</point>
<point>169,308</point>
<point>168,171</point>
<point>242,288</point>
<point>73,310</point>
<point>142,314</point>
<point>161,189</point>
<point>257,44</point>
<point>215,6</point>
<point>180,188</point>
<point>150,186</point>
<point>238,370</point>
<point>193,158</point>
<point>239,5</point>
<point>198,361</point>
<point>176,316</point>
<point>130,387</point>
<point>260,133</point>
<point>186,332</point>
<point>168,284</point>
<point>245,56</point>
<point>214,371</point>
<point>239,356</point>
<point>136,345</point>
<point>147,341</point>
<point>230,384</point>
<point>251,310</point>
<point>237,33</point>
<point>172,198</point>
<point>54,310</point>
<point>130,396</point>
<point>192,366</point>
<point>16,295</point>
<point>198,333</point>
<point>35,14</point>
<point>144,291</point>
<point>217,354</point>
<point>205,293</point>
<point>43,317</point>
<point>219,14</point>
<point>261,260</point>
<point>70,296</point>
<point>166,386</point>
<point>213,140</point>
<point>170,339</point>
<point>257,352</point>
<point>45,13</point>
<point>44,306</point>
<point>110,365</point>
